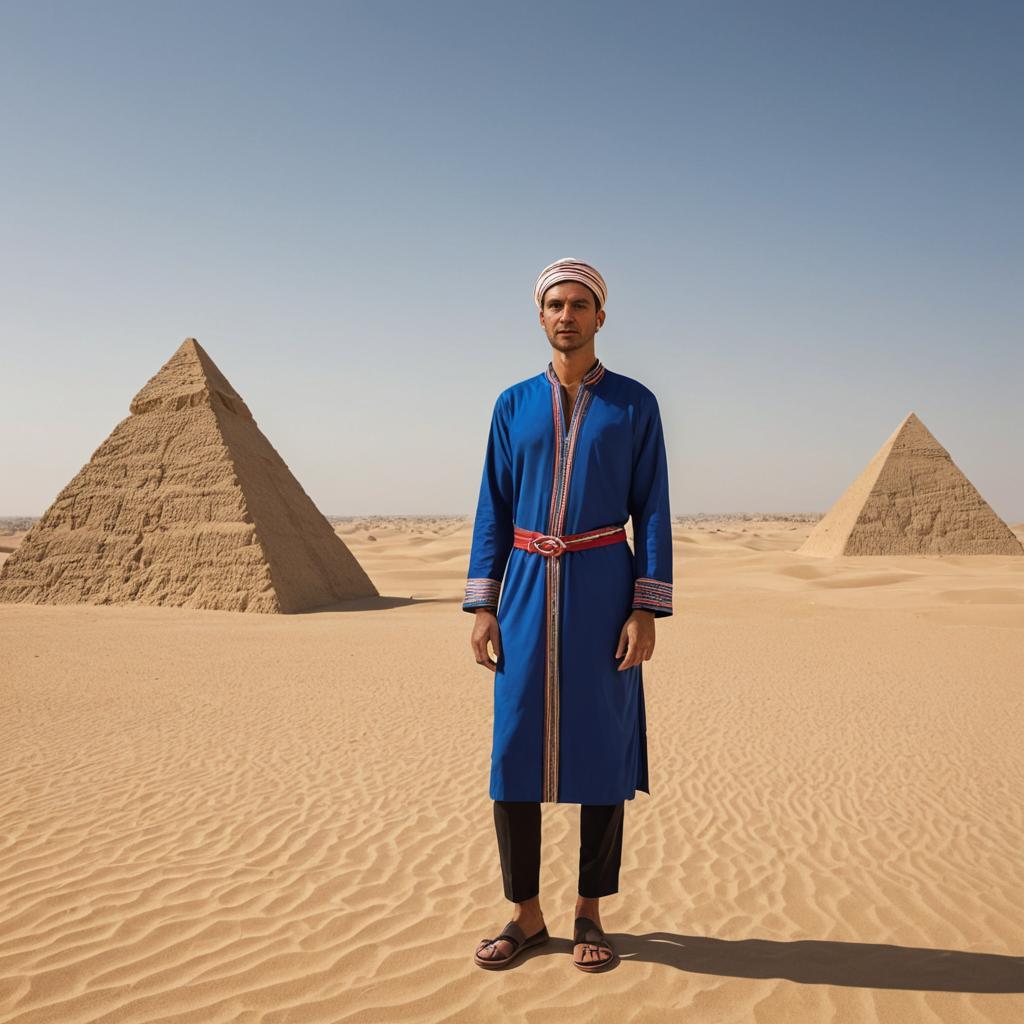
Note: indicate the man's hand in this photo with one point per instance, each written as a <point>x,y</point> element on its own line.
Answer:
<point>636,640</point>
<point>486,628</point>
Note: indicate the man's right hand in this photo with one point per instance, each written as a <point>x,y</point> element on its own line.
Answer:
<point>486,628</point>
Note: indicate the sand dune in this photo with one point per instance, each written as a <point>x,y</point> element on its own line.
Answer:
<point>216,817</point>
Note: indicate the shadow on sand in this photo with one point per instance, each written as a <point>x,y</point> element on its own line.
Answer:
<point>815,962</point>
<point>373,604</point>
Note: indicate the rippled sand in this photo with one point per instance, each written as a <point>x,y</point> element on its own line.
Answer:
<point>216,817</point>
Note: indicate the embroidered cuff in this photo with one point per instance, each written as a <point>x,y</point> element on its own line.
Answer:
<point>653,596</point>
<point>481,593</point>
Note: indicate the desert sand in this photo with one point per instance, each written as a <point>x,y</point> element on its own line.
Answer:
<point>210,816</point>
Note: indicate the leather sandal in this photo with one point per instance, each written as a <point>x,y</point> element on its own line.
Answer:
<point>520,941</point>
<point>587,932</point>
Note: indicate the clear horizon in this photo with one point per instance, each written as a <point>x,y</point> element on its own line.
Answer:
<point>809,218</point>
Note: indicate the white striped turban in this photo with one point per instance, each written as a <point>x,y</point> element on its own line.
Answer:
<point>570,269</point>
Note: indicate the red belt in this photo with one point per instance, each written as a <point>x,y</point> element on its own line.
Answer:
<point>547,544</point>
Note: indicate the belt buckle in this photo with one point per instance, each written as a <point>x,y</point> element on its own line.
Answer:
<point>548,545</point>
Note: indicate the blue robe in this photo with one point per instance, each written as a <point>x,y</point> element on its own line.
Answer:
<point>568,726</point>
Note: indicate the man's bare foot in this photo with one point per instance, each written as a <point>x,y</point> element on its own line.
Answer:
<point>528,916</point>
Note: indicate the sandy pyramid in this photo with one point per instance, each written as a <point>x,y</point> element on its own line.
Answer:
<point>185,503</point>
<point>911,499</point>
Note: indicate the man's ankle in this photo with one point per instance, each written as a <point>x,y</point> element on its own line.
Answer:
<point>528,909</point>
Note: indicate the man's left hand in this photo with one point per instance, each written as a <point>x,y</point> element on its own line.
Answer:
<point>636,640</point>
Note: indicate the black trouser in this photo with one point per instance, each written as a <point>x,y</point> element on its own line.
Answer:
<point>517,823</point>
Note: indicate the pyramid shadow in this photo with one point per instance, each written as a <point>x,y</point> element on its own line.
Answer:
<point>367,604</point>
<point>818,962</point>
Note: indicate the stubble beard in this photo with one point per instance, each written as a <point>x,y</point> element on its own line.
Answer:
<point>571,342</point>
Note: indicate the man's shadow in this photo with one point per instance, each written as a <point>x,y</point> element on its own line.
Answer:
<point>816,962</point>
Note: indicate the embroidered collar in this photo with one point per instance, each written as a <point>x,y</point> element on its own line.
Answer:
<point>592,376</point>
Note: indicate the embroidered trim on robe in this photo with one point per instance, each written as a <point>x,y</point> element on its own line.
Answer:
<point>652,595</point>
<point>482,593</point>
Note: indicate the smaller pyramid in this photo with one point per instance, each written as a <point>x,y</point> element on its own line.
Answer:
<point>911,499</point>
<point>186,503</point>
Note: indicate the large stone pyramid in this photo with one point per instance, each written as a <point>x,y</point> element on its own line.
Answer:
<point>185,503</point>
<point>911,499</point>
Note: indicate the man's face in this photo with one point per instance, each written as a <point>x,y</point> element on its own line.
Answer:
<point>569,316</point>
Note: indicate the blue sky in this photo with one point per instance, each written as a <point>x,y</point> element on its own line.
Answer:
<point>809,216</point>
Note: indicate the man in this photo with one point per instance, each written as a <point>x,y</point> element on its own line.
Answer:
<point>572,453</point>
